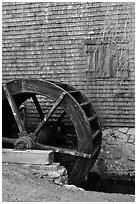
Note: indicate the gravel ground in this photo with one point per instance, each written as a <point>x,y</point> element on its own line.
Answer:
<point>21,185</point>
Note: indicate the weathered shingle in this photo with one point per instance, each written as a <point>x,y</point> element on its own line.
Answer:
<point>46,40</point>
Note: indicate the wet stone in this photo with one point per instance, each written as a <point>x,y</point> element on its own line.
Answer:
<point>129,151</point>
<point>112,140</point>
<point>127,165</point>
<point>124,130</point>
<point>131,131</point>
<point>106,133</point>
<point>131,139</point>
<point>113,152</point>
<point>54,174</point>
<point>118,138</point>
<point>117,155</point>
<point>101,165</point>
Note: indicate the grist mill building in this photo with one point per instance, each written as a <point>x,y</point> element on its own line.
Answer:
<point>90,46</point>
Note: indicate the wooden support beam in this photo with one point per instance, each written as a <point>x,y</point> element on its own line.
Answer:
<point>55,149</point>
<point>8,140</point>
<point>28,156</point>
<point>14,109</point>
<point>62,150</point>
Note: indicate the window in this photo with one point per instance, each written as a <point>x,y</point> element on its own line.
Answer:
<point>108,60</point>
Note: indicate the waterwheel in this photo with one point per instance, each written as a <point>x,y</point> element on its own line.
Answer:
<point>67,104</point>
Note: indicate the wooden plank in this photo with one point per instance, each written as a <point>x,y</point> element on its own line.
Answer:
<point>28,156</point>
<point>14,109</point>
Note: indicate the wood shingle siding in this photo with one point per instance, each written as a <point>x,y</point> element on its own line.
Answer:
<point>46,40</point>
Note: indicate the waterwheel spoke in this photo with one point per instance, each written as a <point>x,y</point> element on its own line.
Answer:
<point>45,119</point>
<point>36,102</point>
<point>14,109</point>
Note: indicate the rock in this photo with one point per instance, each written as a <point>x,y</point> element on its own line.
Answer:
<point>105,133</point>
<point>129,151</point>
<point>53,174</point>
<point>59,181</point>
<point>123,130</point>
<point>122,139</point>
<point>73,187</point>
<point>112,140</point>
<point>113,152</point>
<point>127,165</point>
<point>59,177</point>
<point>101,165</point>
<point>131,139</point>
<point>118,138</point>
<point>131,131</point>
<point>62,171</point>
<point>132,175</point>
<point>117,155</point>
<point>40,173</point>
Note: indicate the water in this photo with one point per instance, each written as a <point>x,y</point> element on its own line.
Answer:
<point>95,183</point>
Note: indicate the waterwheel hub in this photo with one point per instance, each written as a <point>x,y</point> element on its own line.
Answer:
<point>23,143</point>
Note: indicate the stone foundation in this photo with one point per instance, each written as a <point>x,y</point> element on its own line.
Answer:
<point>56,173</point>
<point>117,155</point>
